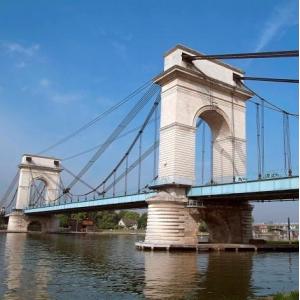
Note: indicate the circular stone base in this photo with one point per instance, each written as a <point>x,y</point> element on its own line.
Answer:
<point>161,247</point>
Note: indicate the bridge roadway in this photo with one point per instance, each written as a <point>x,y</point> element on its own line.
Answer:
<point>286,188</point>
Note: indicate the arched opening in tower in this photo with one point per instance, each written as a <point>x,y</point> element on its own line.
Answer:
<point>34,226</point>
<point>38,191</point>
<point>214,150</point>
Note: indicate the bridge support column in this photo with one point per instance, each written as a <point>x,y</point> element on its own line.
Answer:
<point>227,222</point>
<point>19,222</point>
<point>36,168</point>
<point>192,90</point>
<point>169,222</point>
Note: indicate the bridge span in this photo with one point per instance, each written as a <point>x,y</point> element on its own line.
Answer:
<point>187,93</point>
<point>276,189</point>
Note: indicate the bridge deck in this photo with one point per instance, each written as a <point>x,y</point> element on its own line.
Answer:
<point>123,202</point>
<point>258,190</point>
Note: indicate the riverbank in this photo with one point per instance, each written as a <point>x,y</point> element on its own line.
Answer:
<point>114,231</point>
<point>202,246</point>
<point>293,295</point>
<point>107,231</point>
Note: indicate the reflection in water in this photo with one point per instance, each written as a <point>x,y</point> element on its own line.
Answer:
<point>14,250</point>
<point>283,277</point>
<point>169,274</point>
<point>228,276</point>
<point>109,267</point>
<point>25,278</point>
<point>197,276</point>
<point>42,276</point>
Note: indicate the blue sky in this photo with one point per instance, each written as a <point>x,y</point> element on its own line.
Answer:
<point>64,62</point>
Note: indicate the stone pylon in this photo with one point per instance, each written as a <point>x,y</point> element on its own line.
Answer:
<point>42,168</point>
<point>190,90</point>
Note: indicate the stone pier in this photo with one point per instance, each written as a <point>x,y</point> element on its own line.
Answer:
<point>226,223</point>
<point>169,221</point>
<point>19,222</point>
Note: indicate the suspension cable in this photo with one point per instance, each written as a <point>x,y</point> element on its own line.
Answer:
<point>99,145</point>
<point>155,138</point>
<point>99,117</point>
<point>262,136</point>
<point>157,101</point>
<point>211,160</point>
<point>140,163</point>
<point>280,80</point>
<point>114,183</point>
<point>79,179</point>
<point>258,141</point>
<point>270,54</point>
<point>43,198</point>
<point>40,196</point>
<point>152,148</point>
<point>286,145</point>
<point>132,166</point>
<point>271,105</point>
<point>203,153</point>
<point>10,187</point>
<point>146,122</point>
<point>284,142</point>
<point>103,187</point>
<point>118,130</point>
<point>34,195</point>
<point>126,174</point>
<point>233,138</point>
<point>7,207</point>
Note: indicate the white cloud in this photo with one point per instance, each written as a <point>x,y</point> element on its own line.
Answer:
<point>47,89</point>
<point>21,65</point>
<point>66,98</point>
<point>17,48</point>
<point>281,17</point>
<point>45,83</point>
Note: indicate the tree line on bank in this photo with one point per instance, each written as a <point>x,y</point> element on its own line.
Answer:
<point>104,219</point>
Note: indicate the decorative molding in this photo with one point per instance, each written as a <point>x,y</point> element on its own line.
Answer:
<point>177,71</point>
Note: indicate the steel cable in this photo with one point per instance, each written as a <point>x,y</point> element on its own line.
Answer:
<point>118,130</point>
<point>99,117</point>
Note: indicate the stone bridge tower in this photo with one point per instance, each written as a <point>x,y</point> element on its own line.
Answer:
<point>35,168</point>
<point>205,89</point>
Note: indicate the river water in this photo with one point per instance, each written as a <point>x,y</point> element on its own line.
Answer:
<point>36,266</point>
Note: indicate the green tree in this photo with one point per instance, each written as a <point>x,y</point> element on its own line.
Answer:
<point>63,220</point>
<point>79,216</point>
<point>2,222</point>
<point>142,221</point>
<point>107,220</point>
<point>129,215</point>
<point>202,226</point>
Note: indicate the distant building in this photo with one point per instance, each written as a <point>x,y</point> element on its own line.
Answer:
<point>81,226</point>
<point>128,224</point>
<point>260,228</point>
<point>278,231</point>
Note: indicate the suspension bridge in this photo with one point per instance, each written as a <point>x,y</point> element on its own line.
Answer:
<point>194,92</point>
